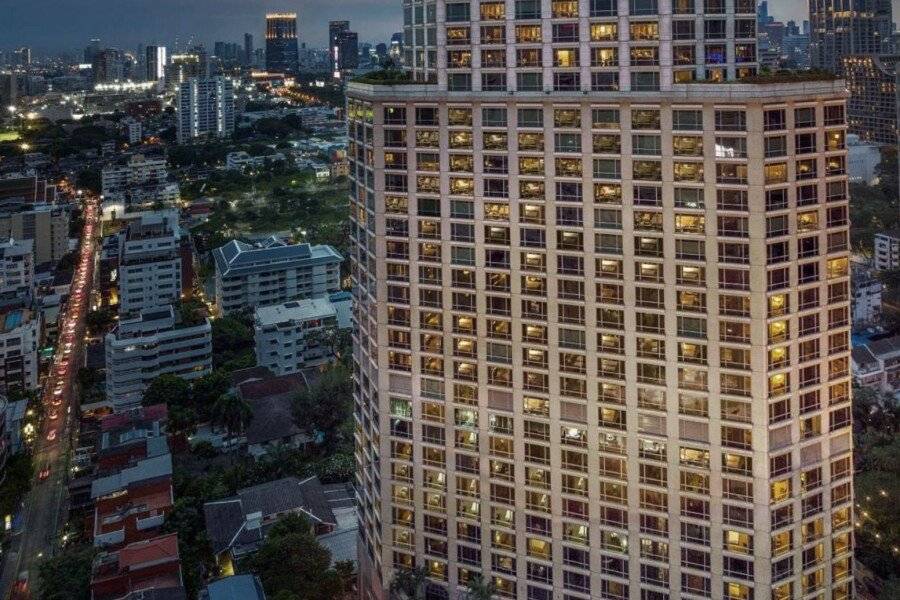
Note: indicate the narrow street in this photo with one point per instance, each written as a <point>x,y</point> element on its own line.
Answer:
<point>42,512</point>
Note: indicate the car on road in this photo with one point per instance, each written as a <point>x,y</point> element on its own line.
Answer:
<point>45,472</point>
<point>20,587</point>
<point>51,436</point>
<point>53,415</point>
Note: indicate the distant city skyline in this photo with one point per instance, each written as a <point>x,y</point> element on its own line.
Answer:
<point>67,25</point>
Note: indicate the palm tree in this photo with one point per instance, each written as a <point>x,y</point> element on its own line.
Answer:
<point>480,589</point>
<point>409,584</point>
<point>231,413</point>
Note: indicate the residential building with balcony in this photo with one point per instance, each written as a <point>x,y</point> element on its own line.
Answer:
<point>153,343</point>
<point>20,335</point>
<point>149,263</point>
<point>249,276</point>
<point>294,335</point>
<point>887,250</point>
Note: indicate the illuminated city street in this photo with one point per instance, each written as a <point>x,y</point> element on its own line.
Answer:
<point>42,507</point>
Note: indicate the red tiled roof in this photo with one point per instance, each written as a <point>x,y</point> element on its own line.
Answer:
<point>271,386</point>
<point>162,548</point>
<point>157,412</point>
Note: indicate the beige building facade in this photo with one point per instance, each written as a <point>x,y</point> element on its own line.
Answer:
<point>602,337</point>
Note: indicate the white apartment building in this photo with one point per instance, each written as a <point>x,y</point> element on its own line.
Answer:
<point>867,290</point>
<point>134,130</point>
<point>20,335</point>
<point>602,337</point>
<point>272,273</point>
<point>887,250</point>
<point>151,344</point>
<point>205,109</point>
<point>137,184</point>
<point>239,161</point>
<point>16,269</point>
<point>862,160</point>
<point>137,170</point>
<point>149,265</point>
<point>291,336</point>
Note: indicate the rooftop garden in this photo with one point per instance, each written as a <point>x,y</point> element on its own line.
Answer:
<point>781,76</point>
<point>386,77</point>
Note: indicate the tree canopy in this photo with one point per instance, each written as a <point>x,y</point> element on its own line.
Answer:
<point>321,409</point>
<point>67,575</point>
<point>292,564</point>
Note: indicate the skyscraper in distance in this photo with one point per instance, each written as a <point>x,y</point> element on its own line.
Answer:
<point>602,342</point>
<point>205,109</point>
<point>155,63</point>
<point>248,49</point>
<point>281,43</point>
<point>343,47</point>
<point>840,28</point>
<point>90,51</point>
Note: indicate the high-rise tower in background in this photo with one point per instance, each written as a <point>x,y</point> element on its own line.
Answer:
<point>602,343</point>
<point>841,28</point>
<point>155,63</point>
<point>282,54</point>
<point>343,47</point>
<point>248,49</point>
<point>205,109</point>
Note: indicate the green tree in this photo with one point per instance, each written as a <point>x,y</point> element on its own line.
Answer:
<point>66,576</point>
<point>89,179</point>
<point>322,408</point>
<point>231,337</point>
<point>99,321</point>
<point>208,389</point>
<point>292,561</point>
<point>232,413</point>
<point>480,589</point>
<point>169,390</point>
<point>409,584</point>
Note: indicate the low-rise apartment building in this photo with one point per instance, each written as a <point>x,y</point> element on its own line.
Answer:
<point>151,344</point>
<point>293,336</point>
<point>249,276</point>
<point>887,250</point>
<point>149,266</point>
<point>20,334</point>
<point>16,270</point>
<point>137,184</point>
<point>144,565</point>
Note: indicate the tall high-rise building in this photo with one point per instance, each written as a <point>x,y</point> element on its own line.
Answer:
<point>90,51</point>
<point>281,43</point>
<point>205,109</point>
<point>155,63</point>
<point>873,110</point>
<point>183,67</point>
<point>840,28</point>
<point>602,316</point>
<point>248,49</point>
<point>109,66</point>
<point>343,47</point>
<point>23,56</point>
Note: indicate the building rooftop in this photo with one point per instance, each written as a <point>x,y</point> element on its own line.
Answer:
<point>149,468</point>
<point>884,347</point>
<point>863,358</point>
<point>14,319</point>
<point>236,587</point>
<point>295,310</point>
<point>236,256</point>
<point>228,521</point>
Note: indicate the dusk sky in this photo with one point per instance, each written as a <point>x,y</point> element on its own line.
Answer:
<point>53,25</point>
